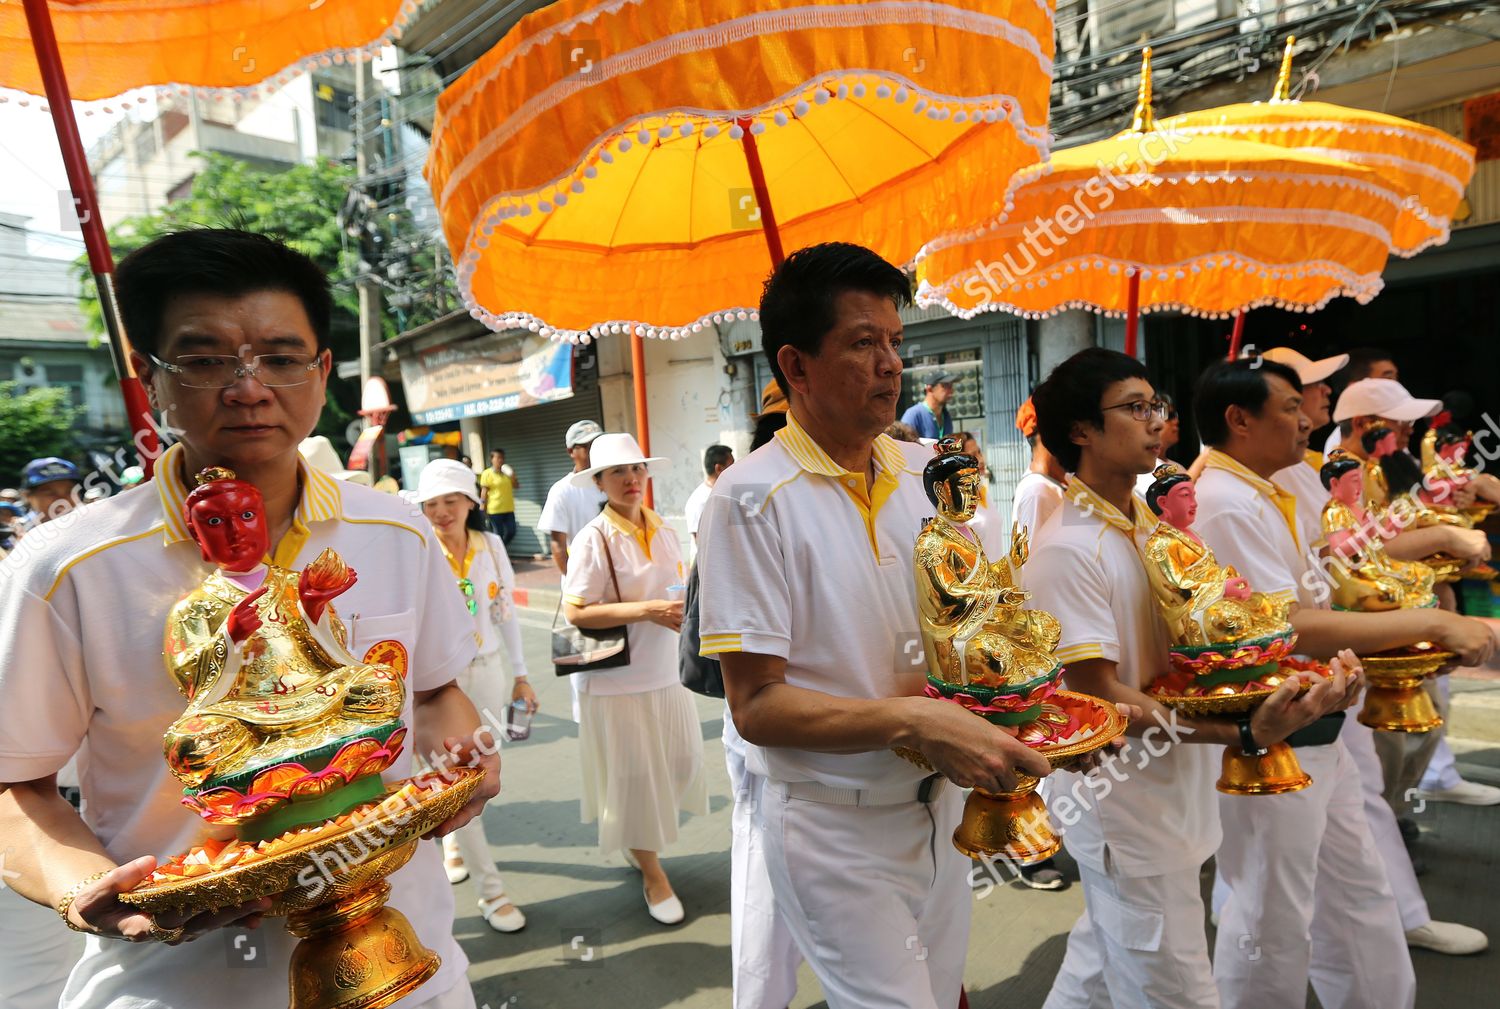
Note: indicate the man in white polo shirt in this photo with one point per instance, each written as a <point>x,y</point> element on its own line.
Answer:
<point>230,331</point>
<point>1140,827</point>
<point>1307,884</point>
<point>809,601</point>
<point>570,507</point>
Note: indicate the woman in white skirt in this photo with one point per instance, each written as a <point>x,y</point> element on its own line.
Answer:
<point>642,746</point>
<point>449,497</point>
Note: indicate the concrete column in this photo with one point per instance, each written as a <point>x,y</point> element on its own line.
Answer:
<point>1061,336</point>
<point>471,431</point>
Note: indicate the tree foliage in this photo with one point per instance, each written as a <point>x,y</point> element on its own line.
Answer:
<point>33,424</point>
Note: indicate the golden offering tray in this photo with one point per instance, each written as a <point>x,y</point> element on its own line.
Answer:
<point>1014,824</point>
<point>1273,771</point>
<point>1445,569</point>
<point>355,953</point>
<point>1395,700</point>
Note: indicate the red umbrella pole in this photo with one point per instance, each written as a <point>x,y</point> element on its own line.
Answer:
<point>642,419</point>
<point>101,263</point>
<point>1132,311</point>
<point>1238,337</point>
<point>762,194</point>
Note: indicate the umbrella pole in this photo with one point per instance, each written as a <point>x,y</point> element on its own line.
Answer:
<point>1132,311</point>
<point>1238,336</point>
<point>762,193</point>
<point>101,263</point>
<point>642,418</point>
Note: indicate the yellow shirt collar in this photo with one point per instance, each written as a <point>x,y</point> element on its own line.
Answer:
<point>1087,500</point>
<point>811,457</point>
<point>322,498</point>
<point>642,534</point>
<point>1284,500</point>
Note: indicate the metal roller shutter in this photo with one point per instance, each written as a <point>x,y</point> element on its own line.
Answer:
<point>532,438</point>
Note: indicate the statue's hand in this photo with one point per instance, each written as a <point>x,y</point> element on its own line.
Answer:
<point>1020,545</point>
<point>1237,588</point>
<point>243,619</point>
<point>317,590</point>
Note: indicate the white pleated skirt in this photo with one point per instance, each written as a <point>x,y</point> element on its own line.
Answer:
<point>642,758</point>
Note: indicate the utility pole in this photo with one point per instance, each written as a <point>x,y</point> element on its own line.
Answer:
<point>369,290</point>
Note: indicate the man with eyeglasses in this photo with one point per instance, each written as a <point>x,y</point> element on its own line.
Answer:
<point>230,331</point>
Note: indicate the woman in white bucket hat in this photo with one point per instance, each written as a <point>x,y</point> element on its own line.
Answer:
<point>448,492</point>
<point>642,746</point>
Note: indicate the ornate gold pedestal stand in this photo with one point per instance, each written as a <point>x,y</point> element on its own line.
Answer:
<point>1395,700</point>
<point>355,953</point>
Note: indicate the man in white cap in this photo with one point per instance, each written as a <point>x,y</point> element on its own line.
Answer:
<point>1302,478</point>
<point>571,506</point>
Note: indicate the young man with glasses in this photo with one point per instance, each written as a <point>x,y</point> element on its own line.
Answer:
<point>230,333</point>
<point>1307,885</point>
<point>1141,827</point>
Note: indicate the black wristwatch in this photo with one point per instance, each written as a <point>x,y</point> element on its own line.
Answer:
<point>1248,745</point>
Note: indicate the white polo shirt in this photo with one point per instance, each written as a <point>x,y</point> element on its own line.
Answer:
<point>81,622</point>
<point>569,507</point>
<point>1253,523</point>
<point>1087,571</point>
<point>647,560</point>
<point>795,561</point>
<point>1304,480</point>
<point>1036,497</point>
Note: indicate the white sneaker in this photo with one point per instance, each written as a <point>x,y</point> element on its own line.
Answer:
<point>1468,793</point>
<point>668,912</point>
<point>502,915</point>
<point>1448,937</point>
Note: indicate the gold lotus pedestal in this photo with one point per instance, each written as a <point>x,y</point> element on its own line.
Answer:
<point>1272,771</point>
<point>1395,700</point>
<point>355,952</point>
<point>1014,824</point>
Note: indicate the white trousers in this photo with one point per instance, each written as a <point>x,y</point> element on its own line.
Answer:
<point>485,683</point>
<point>1309,899</point>
<point>37,952</point>
<point>1139,944</point>
<point>764,957</point>
<point>1360,742</point>
<point>876,897</point>
<point>1442,771</point>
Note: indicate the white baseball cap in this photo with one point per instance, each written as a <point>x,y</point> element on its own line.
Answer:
<point>582,433</point>
<point>446,476</point>
<point>611,450</point>
<point>1385,398</point>
<point>1308,370</point>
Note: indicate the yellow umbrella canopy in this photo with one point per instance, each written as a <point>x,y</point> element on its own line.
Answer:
<point>1429,168</point>
<point>112,46</point>
<point>594,170</point>
<point>1211,226</point>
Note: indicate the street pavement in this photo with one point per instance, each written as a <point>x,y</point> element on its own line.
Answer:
<point>589,941</point>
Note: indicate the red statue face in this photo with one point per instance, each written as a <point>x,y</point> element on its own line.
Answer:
<point>229,525</point>
<point>1385,446</point>
<point>1179,506</point>
<point>1453,453</point>
<point>1348,487</point>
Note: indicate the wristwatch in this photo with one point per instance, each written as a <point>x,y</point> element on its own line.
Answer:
<point>1248,745</point>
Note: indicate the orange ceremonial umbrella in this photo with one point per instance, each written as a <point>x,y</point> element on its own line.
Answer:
<point>1429,168</point>
<point>90,49</point>
<point>1151,221</point>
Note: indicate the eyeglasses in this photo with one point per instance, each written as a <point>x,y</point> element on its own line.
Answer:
<point>1142,409</point>
<point>220,371</point>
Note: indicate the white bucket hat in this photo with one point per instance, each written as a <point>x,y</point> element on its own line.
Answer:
<point>611,450</point>
<point>1385,398</point>
<point>1308,371</point>
<point>447,476</point>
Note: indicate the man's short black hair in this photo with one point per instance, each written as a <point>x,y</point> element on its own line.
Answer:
<point>716,456</point>
<point>797,304</point>
<point>497,449</point>
<point>1071,395</point>
<point>1362,362</point>
<point>221,261</point>
<point>1240,383</point>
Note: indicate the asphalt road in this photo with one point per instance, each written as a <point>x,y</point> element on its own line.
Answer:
<point>590,943</point>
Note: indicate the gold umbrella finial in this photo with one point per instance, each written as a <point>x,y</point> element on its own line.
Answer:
<point>1144,120</point>
<point>1283,91</point>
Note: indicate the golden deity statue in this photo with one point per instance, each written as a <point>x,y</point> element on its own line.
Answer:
<point>1367,579</point>
<point>1203,603</point>
<point>259,652</point>
<point>1424,507</point>
<point>974,628</point>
